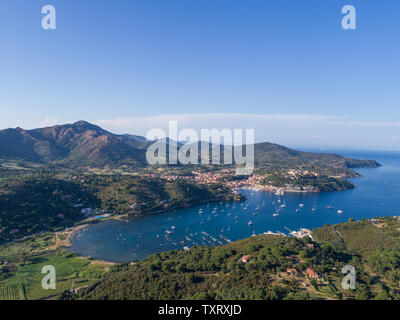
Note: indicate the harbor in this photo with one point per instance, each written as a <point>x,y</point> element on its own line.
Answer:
<point>262,213</point>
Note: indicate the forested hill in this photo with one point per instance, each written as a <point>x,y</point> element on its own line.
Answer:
<point>269,154</point>
<point>76,144</point>
<point>39,202</point>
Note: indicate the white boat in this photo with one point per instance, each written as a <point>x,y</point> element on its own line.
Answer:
<point>314,209</point>
<point>339,211</point>
<point>301,205</point>
<point>275,215</point>
<point>250,223</point>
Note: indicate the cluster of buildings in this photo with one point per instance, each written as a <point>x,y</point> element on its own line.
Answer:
<point>299,173</point>
<point>310,272</point>
<point>291,188</point>
<point>292,271</point>
<point>176,178</point>
<point>253,181</point>
<point>303,232</point>
<point>210,177</point>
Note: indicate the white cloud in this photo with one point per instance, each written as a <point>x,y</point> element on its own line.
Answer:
<point>208,120</point>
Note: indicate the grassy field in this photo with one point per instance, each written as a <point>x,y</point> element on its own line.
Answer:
<point>21,264</point>
<point>12,292</point>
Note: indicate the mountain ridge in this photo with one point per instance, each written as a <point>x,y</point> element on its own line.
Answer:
<point>82,143</point>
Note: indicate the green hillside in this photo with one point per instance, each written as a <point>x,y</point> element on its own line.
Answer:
<point>217,273</point>
<point>36,202</point>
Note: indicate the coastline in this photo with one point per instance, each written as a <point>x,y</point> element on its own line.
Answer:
<point>67,242</point>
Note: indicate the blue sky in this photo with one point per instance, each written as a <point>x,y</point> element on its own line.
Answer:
<point>285,68</point>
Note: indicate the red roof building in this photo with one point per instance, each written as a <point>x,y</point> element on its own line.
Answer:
<point>292,271</point>
<point>312,274</point>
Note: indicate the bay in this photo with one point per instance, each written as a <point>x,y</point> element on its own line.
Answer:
<point>376,195</point>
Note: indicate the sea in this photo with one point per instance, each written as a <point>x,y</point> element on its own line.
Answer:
<point>217,223</point>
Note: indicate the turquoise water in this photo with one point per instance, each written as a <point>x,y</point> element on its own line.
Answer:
<point>377,194</point>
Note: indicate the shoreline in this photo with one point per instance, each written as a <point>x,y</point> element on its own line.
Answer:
<point>67,242</point>
<point>271,189</point>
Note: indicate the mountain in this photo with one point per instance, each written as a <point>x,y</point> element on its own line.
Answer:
<point>78,143</point>
<point>82,143</point>
<point>271,154</point>
<point>135,137</point>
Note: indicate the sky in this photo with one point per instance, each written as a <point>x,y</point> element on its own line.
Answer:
<point>286,69</point>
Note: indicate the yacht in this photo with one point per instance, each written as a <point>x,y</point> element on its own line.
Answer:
<point>250,223</point>
<point>275,215</point>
